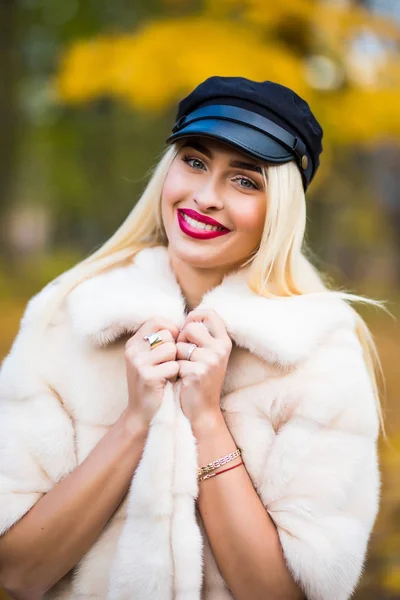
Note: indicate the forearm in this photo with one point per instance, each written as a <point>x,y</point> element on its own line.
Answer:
<point>242,535</point>
<point>54,535</point>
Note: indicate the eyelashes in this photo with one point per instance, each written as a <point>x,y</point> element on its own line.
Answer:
<point>245,182</point>
<point>188,160</point>
<point>252,183</point>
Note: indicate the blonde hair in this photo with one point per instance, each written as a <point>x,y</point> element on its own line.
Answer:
<point>279,259</point>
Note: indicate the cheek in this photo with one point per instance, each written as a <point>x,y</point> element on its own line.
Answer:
<point>168,191</point>
<point>175,187</point>
<point>169,196</point>
<point>250,218</point>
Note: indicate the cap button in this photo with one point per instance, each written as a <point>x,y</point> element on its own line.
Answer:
<point>304,162</point>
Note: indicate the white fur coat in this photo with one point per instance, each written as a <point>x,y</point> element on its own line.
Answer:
<point>297,399</point>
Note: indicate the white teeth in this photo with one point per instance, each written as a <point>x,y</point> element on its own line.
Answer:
<point>199,225</point>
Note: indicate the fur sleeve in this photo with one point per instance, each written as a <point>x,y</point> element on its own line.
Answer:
<point>36,434</point>
<point>321,481</point>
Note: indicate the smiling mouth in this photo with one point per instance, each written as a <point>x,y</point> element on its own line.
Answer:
<point>197,229</point>
<point>201,226</point>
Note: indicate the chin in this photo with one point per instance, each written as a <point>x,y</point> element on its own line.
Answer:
<point>200,256</point>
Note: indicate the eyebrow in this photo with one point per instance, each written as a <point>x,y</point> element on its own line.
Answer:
<point>238,164</point>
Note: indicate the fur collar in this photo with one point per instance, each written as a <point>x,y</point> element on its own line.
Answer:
<point>283,331</point>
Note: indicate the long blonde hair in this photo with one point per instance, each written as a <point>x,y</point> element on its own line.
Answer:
<point>279,259</point>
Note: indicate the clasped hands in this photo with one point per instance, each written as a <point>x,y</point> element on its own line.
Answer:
<point>201,377</point>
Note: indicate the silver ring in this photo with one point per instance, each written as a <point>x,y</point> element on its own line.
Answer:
<point>189,353</point>
<point>154,340</point>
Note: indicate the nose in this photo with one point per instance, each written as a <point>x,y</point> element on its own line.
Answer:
<point>208,197</point>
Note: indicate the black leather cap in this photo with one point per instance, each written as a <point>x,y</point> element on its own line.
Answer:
<point>263,119</point>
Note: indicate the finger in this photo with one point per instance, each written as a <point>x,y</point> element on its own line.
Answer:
<point>194,369</point>
<point>162,353</point>
<point>196,333</point>
<point>167,370</point>
<point>146,357</point>
<point>139,343</point>
<point>154,326</point>
<point>182,338</point>
<point>210,319</point>
<point>198,354</point>
<point>164,334</point>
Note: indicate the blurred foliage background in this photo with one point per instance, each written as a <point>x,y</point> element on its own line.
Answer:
<point>88,95</point>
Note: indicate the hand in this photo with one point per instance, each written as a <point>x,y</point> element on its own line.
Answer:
<point>203,375</point>
<point>148,370</point>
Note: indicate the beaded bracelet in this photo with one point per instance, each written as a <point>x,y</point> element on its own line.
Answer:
<point>218,463</point>
<point>203,477</point>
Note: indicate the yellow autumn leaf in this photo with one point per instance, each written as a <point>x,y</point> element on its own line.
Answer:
<point>85,69</point>
<point>362,115</point>
<point>146,70</point>
<point>328,17</point>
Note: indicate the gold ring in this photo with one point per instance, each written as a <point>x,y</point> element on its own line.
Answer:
<point>154,340</point>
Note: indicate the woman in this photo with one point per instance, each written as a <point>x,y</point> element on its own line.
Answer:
<point>190,413</point>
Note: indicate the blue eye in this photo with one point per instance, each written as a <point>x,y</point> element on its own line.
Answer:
<point>195,163</point>
<point>248,184</point>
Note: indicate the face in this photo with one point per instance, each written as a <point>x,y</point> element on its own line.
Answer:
<point>213,205</point>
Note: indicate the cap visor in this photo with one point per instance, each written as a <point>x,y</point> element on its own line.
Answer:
<point>246,139</point>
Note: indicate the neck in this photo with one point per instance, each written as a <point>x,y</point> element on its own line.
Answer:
<point>195,282</point>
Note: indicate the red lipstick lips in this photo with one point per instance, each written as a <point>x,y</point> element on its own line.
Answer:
<point>194,232</point>
<point>202,218</point>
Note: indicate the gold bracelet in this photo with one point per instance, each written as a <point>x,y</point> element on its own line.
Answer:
<point>218,463</point>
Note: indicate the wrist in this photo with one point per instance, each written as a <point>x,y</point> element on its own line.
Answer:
<point>133,424</point>
<point>208,423</point>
